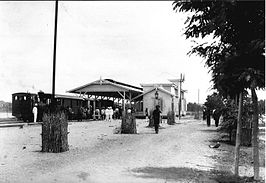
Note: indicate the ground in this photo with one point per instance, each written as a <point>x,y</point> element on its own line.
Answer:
<point>179,153</point>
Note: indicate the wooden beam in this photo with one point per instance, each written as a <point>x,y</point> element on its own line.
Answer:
<point>121,94</point>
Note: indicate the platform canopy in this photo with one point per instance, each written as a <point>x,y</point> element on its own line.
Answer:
<point>108,88</point>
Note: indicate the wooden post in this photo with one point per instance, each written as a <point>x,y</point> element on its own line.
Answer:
<point>94,107</point>
<point>238,134</point>
<point>130,102</point>
<point>180,100</point>
<point>255,129</point>
<point>124,105</point>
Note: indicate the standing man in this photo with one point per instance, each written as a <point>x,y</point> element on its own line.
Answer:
<point>103,113</point>
<point>35,113</point>
<point>216,116</point>
<point>208,116</point>
<point>156,117</point>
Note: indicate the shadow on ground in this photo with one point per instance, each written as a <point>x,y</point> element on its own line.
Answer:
<point>209,130</point>
<point>183,174</point>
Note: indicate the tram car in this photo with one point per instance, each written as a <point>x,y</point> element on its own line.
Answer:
<point>22,104</point>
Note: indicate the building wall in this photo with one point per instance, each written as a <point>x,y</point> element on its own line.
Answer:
<point>165,101</point>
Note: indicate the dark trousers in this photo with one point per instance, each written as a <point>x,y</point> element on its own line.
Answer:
<point>156,127</point>
<point>208,120</point>
<point>216,122</point>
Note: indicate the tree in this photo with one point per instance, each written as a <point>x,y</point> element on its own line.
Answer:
<point>194,107</point>
<point>214,101</point>
<point>236,57</point>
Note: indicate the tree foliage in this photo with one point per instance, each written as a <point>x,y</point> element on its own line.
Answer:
<point>236,60</point>
<point>194,107</point>
<point>214,101</point>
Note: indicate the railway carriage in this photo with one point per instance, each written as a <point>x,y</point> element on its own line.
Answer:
<point>22,104</point>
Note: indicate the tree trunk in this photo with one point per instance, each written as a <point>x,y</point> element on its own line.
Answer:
<point>171,118</point>
<point>128,125</point>
<point>238,133</point>
<point>54,133</point>
<point>255,134</point>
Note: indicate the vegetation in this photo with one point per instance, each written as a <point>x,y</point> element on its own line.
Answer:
<point>194,107</point>
<point>5,106</point>
<point>214,102</point>
<point>236,55</point>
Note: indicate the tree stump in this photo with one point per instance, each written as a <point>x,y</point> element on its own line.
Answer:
<point>54,133</point>
<point>128,125</point>
<point>171,118</point>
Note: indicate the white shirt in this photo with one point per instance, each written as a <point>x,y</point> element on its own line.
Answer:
<point>34,110</point>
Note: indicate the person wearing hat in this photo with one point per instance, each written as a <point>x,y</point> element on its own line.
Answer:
<point>35,113</point>
<point>156,117</point>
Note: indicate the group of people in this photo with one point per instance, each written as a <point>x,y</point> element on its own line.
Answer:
<point>82,113</point>
<point>108,114</point>
<point>105,114</point>
<point>216,114</point>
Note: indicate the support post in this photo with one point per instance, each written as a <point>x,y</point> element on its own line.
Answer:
<point>94,107</point>
<point>238,134</point>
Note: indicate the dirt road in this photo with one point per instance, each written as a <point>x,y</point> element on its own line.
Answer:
<point>179,153</point>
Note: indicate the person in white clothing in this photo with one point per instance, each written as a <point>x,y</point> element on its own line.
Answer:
<point>35,113</point>
<point>111,113</point>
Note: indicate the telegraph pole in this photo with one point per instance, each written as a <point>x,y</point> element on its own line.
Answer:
<point>54,56</point>
<point>180,100</point>
<point>198,104</point>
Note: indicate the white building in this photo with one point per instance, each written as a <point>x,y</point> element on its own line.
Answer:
<point>167,95</point>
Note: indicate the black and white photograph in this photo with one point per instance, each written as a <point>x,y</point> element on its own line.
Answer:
<point>132,91</point>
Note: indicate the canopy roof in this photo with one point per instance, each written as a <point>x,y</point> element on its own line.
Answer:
<point>108,88</point>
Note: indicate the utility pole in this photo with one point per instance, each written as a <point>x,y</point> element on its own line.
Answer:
<point>178,84</point>
<point>54,56</point>
<point>198,104</point>
<point>180,98</point>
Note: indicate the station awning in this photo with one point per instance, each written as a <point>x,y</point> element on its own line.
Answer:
<point>108,88</point>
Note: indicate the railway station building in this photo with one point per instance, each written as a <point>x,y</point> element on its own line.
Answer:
<point>108,92</point>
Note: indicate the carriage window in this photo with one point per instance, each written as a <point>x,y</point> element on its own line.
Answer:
<point>16,97</point>
<point>25,98</point>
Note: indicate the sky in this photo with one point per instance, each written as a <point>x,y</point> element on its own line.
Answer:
<point>132,42</point>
